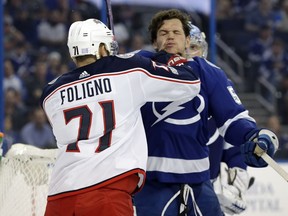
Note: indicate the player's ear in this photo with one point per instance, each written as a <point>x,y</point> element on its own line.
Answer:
<point>103,50</point>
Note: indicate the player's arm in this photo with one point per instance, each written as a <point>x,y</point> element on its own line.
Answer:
<point>175,82</point>
<point>233,120</point>
<point>249,137</point>
<point>232,156</point>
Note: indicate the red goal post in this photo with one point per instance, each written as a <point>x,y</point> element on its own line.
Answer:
<point>24,178</point>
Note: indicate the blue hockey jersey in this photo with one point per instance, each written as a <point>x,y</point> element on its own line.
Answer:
<point>221,151</point>
<point>177,132</point>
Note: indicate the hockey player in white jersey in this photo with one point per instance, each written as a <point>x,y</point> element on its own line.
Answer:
<point>94,111</point>
<point>178,175</point>
<point>227,167</point>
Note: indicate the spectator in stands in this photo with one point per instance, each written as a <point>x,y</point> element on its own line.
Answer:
<point>52,32</point>
<point>283,22</point>
<point>63,68</point>
<point>256,49</point>
<point>274,64</point>
<point>87,9</point>
<point>137,24</point>
<point>11,80</point>
<point>260,44</point>
<point>25,22</point>
<point>15,109</point>
<point>37,131</point>
<point>138,42</point>
<point>21,58</point>
<point>12,35</point>
<point>126,16</point>
<point>273,68</point>
<point>62,5</point>
<point>243,6</point>
<point>54,60</point>
<point>13,6</point>
<point>35,83</point>
<point>224,9</point>
<point>41,54</point>
<point>122,36</point>
<point>262,15</point>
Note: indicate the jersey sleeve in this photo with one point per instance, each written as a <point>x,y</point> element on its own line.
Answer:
<point>160,82</point>
<point>232,156</point>
<point>231,117</point>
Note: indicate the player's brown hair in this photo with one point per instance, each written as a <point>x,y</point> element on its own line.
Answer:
<point>158,19</point>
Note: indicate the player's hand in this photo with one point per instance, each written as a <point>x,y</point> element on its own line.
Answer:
<point>266,140</point>
<point>169,59</point>
<point>230,187</point>
<point>176,60</point>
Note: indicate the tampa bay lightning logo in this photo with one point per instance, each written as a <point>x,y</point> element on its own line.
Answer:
<point>175,106</point>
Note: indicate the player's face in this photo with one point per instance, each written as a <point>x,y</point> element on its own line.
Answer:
<point>194,50</point>
<point>171,37</point>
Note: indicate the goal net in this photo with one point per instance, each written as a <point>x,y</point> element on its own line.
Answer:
<point>24,177</point>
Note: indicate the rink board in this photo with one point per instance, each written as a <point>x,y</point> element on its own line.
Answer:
<point>269,194</point>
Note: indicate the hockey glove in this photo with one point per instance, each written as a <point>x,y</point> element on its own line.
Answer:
<point>230,187</point>
<point>266,140</point>
<point>169,59</point>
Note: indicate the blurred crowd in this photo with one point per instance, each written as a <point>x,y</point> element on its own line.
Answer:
<point>258,30</point>
<point>35,52</point>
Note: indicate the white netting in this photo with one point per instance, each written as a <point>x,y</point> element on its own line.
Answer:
<point>24,177</point>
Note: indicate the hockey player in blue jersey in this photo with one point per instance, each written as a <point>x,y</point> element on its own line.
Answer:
<point>227,168</point>
<point>178,176</point>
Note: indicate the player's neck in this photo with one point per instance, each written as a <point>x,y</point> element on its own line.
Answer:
<point>85,61</point>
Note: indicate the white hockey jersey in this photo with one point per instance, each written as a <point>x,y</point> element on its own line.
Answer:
<point>95,115</point>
